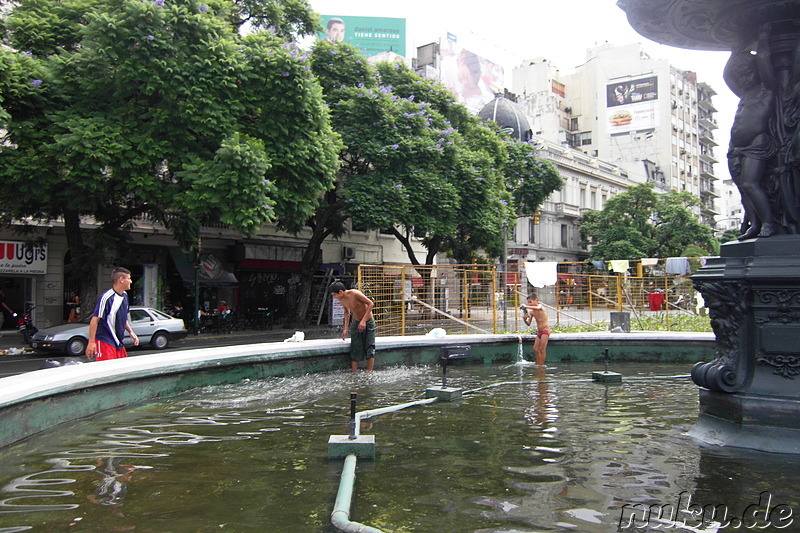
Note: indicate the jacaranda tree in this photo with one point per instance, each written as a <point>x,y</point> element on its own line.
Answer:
<point>415,164</point>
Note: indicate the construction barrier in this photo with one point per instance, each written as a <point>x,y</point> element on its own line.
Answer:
<point>415,299</point>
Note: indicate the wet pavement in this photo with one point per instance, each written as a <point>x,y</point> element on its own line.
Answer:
<point>13,363</point>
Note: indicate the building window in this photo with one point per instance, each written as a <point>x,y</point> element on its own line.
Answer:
<point>563,235</point>
<point>531,231</point>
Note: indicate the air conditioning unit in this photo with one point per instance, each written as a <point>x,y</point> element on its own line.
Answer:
<point>348,252</point>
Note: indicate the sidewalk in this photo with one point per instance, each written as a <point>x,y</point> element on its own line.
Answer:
<point>10,338</point>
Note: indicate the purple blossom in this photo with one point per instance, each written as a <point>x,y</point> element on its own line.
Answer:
<point>36,83</point>
<point>149,37</point>
<point>28,53</point>
<point>395,146</point>
<point>158,3</point>
<point>398,186</point>
<point>203,9</point>
<point>286,74</point>
<point>411,98</point>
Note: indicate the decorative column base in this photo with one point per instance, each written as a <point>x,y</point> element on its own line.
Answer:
<point>751,393</point>
<point>741,420</point>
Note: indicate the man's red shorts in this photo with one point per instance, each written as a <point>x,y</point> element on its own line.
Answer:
<point>105,352</point>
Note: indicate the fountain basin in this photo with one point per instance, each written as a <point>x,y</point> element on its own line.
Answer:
<point>40,400</point>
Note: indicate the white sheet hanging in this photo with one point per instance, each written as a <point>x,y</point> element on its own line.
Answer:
<point>541,274</point>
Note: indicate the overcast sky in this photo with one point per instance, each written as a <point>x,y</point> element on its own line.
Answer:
<point>561,31</point>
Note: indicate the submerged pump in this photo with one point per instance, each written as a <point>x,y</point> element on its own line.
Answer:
<point>443,392</point>
<point>605,376</point>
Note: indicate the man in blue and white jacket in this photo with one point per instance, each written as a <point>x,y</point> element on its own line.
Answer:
<point>110,320</point>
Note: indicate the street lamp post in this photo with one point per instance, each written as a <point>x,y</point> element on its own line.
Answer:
<point>197,286</point>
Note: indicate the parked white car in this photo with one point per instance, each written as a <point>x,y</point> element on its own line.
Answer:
<point>151,326</point>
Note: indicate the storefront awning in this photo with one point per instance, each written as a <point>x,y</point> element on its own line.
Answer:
<point>213,272</point>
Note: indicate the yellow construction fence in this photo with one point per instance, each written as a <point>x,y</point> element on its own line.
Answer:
<point>414,299</point>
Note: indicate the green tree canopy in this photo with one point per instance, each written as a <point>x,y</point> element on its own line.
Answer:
<point>641,223</point>
<point>415,163</point>
<point>420,165</point>
<point>127,107</point>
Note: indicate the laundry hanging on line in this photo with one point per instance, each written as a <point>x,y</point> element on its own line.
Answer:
<point>541,274</point>
<point>677,265</point>
<point>619,265</point>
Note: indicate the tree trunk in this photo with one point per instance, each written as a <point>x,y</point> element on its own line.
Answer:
<point>311,258</point>
<point>81,272</point>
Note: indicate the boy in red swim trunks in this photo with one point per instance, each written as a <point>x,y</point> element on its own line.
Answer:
<point>535,311</point>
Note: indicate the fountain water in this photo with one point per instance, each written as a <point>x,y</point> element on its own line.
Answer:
<point>526,448</point>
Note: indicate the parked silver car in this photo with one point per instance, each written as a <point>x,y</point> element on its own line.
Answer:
<point>151,326</point>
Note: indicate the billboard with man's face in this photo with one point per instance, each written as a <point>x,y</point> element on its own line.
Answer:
<point>371,35</point>
<point>473,79</point>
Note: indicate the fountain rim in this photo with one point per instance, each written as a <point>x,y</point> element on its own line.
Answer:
<point>40,400</point>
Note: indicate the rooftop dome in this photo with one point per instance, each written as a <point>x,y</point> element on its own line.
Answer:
<point>508,115</point>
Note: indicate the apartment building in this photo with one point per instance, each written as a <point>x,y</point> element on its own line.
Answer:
<point>643,115</point>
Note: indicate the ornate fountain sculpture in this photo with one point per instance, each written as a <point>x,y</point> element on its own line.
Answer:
<point>750,394</point>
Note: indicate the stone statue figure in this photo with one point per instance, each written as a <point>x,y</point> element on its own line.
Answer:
<point>753,145</point>
<point>790,135</point>
<point>764,152</point>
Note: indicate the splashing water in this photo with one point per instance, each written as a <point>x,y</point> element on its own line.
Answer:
<point>521,355</point>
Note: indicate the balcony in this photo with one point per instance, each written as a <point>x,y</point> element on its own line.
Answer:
<point>707,157</point>
<point>707,138</point>
<point>707,105</point>
<point>708,190</point>
<point>567,210</point>
<point>708,123</point>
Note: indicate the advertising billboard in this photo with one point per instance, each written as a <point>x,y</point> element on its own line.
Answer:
<point>371,35</point>
<point>473,79</point>
<point>632,105</point>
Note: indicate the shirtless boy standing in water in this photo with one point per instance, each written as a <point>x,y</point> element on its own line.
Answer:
<point>535,310</point>
<point>362,329</point>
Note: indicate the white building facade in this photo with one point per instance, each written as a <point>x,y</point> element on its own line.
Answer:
<point>641,114</point>
<point>554,235</point>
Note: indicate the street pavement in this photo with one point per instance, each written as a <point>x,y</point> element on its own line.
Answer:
<point>11,365</point>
